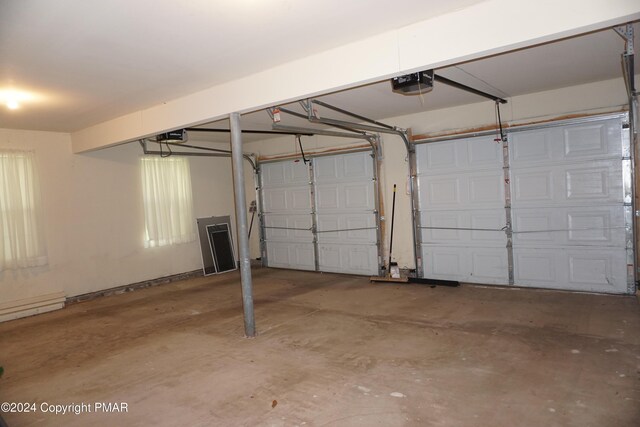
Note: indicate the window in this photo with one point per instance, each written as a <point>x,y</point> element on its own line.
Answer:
<point>22,242</point>
<point>168,204</point>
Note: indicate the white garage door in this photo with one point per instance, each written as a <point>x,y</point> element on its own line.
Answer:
<point>346,213</point>
<point>567,201</point>
<point>287,215</point>
<point>569,208</point>
<point>461,205</point>
<point>321,216</point>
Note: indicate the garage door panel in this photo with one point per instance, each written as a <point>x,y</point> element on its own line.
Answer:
<point>595,140</point>
<point>462,190</point>
<point>362,228</point>
<point>348,258</point>
<point>461,202</point>
<point>299,256</point>
<point>344,191</point>
<point>288,228</point>
<point>455,226</point>
<point>568,212</point>
<point>533,186</point>
<point>273,174</point>
<point>470,154</point>
<point>486,189</point>
<point>568,184</point>
<point>358,166</point>
<point>432,158</point>
<point>444,226</point>
<point>562,226</point>
<point>590,182</point>
<point>528,148</point>
<point>274,199</point>
<point>345,197</point>
<point>440,192</point>
<point>284,173</point>
<point>484,152</point>
<point>489,265</point>
<point>566,207</point>
<point>578,142</point>
<point>353,167</point>
<point>345,200</point>
<point>467,264</point>
<point>488,226</point>
<point>283,200</point>
<point>589,269</point>
<point>286,207</point>
<point>442,261</point>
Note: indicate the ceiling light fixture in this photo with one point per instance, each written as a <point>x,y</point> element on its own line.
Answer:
<point>12,98</point>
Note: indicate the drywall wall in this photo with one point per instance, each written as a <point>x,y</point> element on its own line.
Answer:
<point>94,218</point>
<point>582,99</point>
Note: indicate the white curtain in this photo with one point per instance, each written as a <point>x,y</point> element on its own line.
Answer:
<point>168,202</point>
<point>22,240</point>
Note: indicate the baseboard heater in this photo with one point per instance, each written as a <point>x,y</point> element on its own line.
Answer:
<point>16,309</point>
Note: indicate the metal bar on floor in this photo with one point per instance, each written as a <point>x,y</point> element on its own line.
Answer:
<point>241,221</point>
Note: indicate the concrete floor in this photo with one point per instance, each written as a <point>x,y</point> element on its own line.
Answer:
<point>332,350</point>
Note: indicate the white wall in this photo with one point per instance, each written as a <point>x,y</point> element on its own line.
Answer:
<point>94,217</point>
<point>583,99</point>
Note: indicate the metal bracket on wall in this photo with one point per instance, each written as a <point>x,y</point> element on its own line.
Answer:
<point>626,32</point>
<point>263,237</point>
<point>314,214</point>
<point>508,229</point>
<point>415,209</point>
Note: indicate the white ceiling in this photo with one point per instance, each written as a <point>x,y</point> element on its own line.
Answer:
<point>588,58</point>
<point>100,59</point>
<point>96,60</point>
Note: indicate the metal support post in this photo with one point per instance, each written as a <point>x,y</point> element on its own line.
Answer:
<point>241,221</point>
